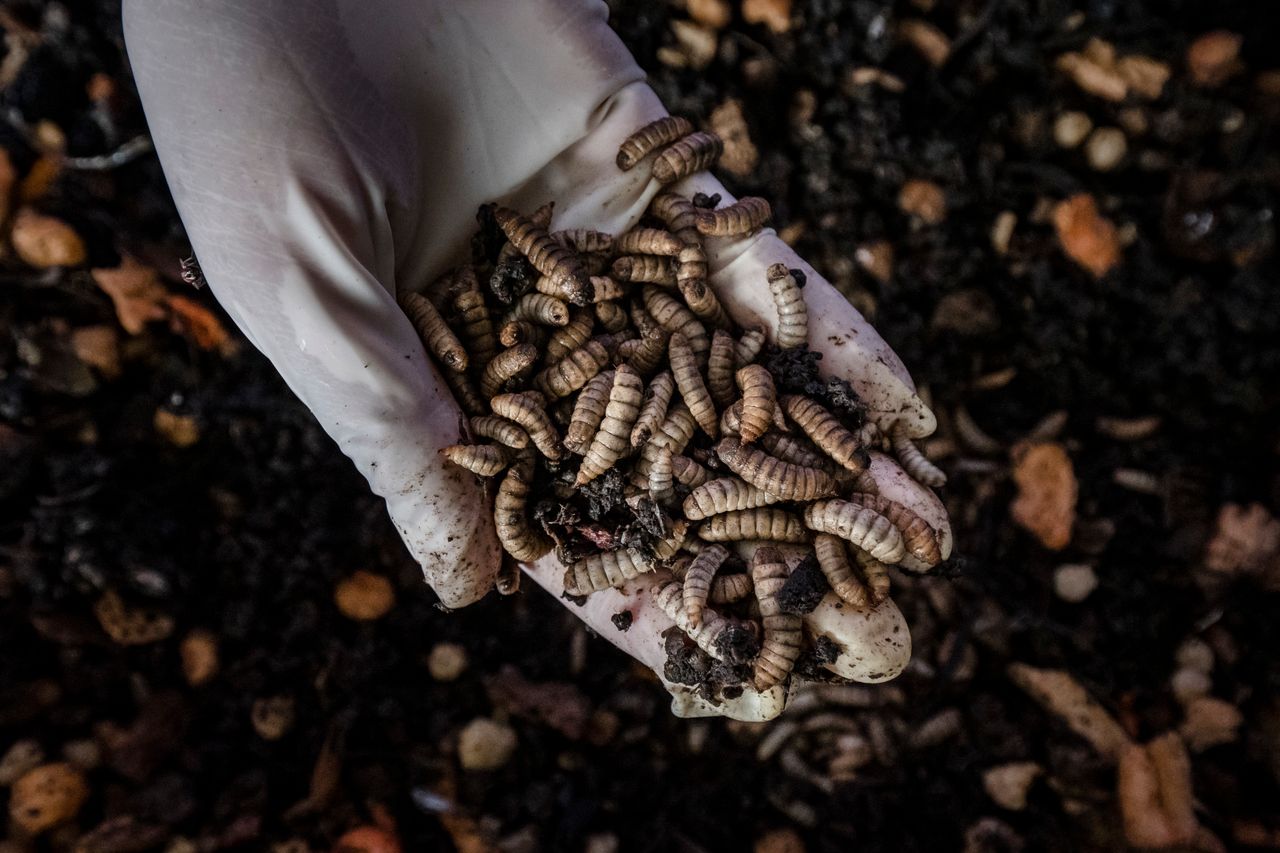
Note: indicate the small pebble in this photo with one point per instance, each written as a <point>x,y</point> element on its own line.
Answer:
<point>1074,582</point>
<point>47,796</point>
<point>1008,784</point>
<point>877,259</point>
<point>1189,684</point>
<point>1071,128</point>
<point>1105,148</point>
<point>485,744</point>
<point>23,756</point>
<point>780,841</point>
<point>1002,231</point>
<point>1195,653</point>
<point>199,653</point>
<point>447,661</point>
<point>365,596</point>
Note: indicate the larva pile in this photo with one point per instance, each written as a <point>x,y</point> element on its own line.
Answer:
<point>626,425</point>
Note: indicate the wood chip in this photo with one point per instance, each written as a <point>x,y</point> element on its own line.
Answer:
<point>1047,492</point>
<point>1059,693</point>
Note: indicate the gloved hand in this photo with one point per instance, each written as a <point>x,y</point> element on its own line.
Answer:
<point>326,155</point>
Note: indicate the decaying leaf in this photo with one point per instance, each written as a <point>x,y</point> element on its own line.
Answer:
<point>131,626</point>
<point>98,347</point>
<point>1058,692</point>
<point>1047,491</point>
<point>1088,238</point>
<point>136,290</point>
<point>200,325</point>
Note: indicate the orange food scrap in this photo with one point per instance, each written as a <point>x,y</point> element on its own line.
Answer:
<point>136,290</point>
<point>1047,491</point>
<point>200,325</point>
<point>365,596</point>
<point>47,796</point>
<point>1088,238</point>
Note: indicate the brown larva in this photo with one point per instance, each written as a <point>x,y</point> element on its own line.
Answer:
<point>506,365</point>
<point>651,352</point>
<point>434,332</point>
<point>657,398</point>
<point>740,525</point>
<point>608,570</point>
<point>673,435</point>
<point>521,332</point>
<point>468,398</point>
<point>572,372</point>
<point>519,538</point>
<point>539,308</point>
<point>669,596</point>
<point>666,549</point>
<point>688,472</point>
<point>789,448</point>
<point>483,459</point>
<point>507,581</point>
<point>731,419</point>
<point>476,327</point>
<point>833,559</point>
<point>541,218</point>
<point>547,256</point>
<point>628,348</point>
<point>548,286</point>
<point>648,241</point>
<point>676,212</point>
<point>781,644</point>
<point>528,409</point>
<point>855,523</point>
<point>641,318</point>
<point>675,317</point>
<point>584,240</point>
<point>607,289</point>
<point>826,432</point>
<point>697,581</point>
<point>612,316</point>
<point>913,461</point>
<point>727,589</point>
<point>919,538</point>
<point>744,216</point>
<point>720,369</point>
<point>749,346</point>
<point>759,401</point>
<point>650,138</point>
<point>661,483</point>
<point>684,366</point>
<point>783,479</point>
<point>701,299</point>
<point>566,339</point>
<point>588,412</point>
<point>687,156</point>
<point>501,430</point>
<point>614,435</point>
<point>722,495</point>
<point>876,574</point>
<point>793,314</point>
<point>645,268</point>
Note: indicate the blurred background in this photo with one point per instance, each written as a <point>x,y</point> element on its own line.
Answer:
<point>1062,217</point>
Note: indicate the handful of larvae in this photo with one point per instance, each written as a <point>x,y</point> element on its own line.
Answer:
<point>634,431</point>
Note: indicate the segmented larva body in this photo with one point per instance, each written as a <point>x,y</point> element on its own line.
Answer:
<point>673,435</point>
<point>674,317</point>
<point>744,216</point>
<point>606,289</point>
<point>657,399</point>
<point>648,241</point>
<point>612,317</point>
<point>684,366</point>
<point>519,538</point>
<point>864,527</point>
<point>793,314</point>
<point>749,346</point>
<point>666,549</point>
<point>566,339</point>
<point>539,308</point>
<point>919,538</point>
<point>553,287</point>
<point>789,448</point>
<point>720,369</point>
<point>506,365</point>
<point>483,459</point>
<point>468,398</point>
<point>740,525</point>
<point>691,280</point>
<point>731,419</point>
<point>864,483</point>
<point>722,495</point>
<point>588,412</point>
<point>584,240</point>
<point>727,589</point>
<point>781,643</point>
<point>528,409</point>
<point>476,327</point>
<point>697,581</point>
<point>641,318</point>
<point>507,580</point>
<point>645,268</point>
<point>759,401</point>
<point>434,332</point>
<point>500,430</point>
<point>688,472</point>
<point>651,352</point>
<point>547,256</point>
<point>687,156</point>
<point>676,211</point>
<point>661,482</point>
<point>913,461</point>
<point>876,574</point>
<point>669,596</point>
<point>521,332</point>
<point>540,217</point>
<point>833,559</point>
<point>614,436</point>
<point>608,570</point>
<point>826,432</point>
<point>785,480</point>
<point>650,138</point>
<point>572,372</point>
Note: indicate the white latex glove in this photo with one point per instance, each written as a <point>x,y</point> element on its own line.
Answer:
<point>326,154</point>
